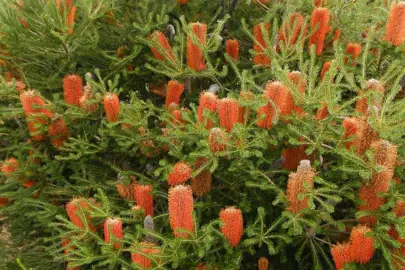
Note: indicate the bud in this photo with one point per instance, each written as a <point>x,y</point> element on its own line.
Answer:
<point>149,225</point>
<point>9,166</point>
<point>320,18</point>
<point>113,226</point>
<point>161,48</point>
<point>144,251</point>
<point>111,107</point>
<point>58,132</point>
<point>73,89</point>
<point>232,48</point>
<point>341,254</point>
<point>229,113</point>
<point>195,56</point>
<point>362,246</point>
<point>181,206</point>
<point>263,263</point>
<point>201,184</point>
<point>233,225</point>
<point>395,30</point>
<point>290,31</point>
<point>144,198</point>
<point>174,91</point>
<point>217,140</point>
<point>208,101</point>
<point>74,208</point>
<point>354,49</point>
<point>260,45</point>
<point>181,173</point>
<point>277,94</point>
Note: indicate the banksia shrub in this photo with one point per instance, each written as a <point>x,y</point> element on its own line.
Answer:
<point>263,263</point>
<point>9,166</point>
<point>232,48</point>
<point>260,45</point>
<point>201,184</point>
<point>208,101</point>
<point>181,173</point>
<point>113,226</point>
<point>341,254</point>
<point>174,91</point>
<point>144,251</point>
<point>161,48</point>
<point>232,229</point>
<point>58,132</point>
<point>320,18</point>
<point>181,208</point>
<point>229,113</point>
<point>362,245</point>
<point>395,29</point>
<point>73,89</point>
<point>144,198</point>
<point>111,107</point>
<point>217,140</point>
<point>75,208</point>
<point>195,54</point>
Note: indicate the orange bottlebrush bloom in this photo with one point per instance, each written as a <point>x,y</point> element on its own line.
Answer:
<point>297,185</point>
<point>229,113</point>
<point>181,206</point>
<point>263,263</point>
<point>71,19</point>
<point>354,49</point>
<point>73,89</point>
<point>195,56</point>
<point>341,254</point>
<point>320,18</point>
<point>181,173</point>
<point>277,94</point>
<point>395,31</point>
<point>217,140</point>
<point>364,136</point>
<point>144,198</point>
<point>3,201</point>
<point>362,103</point>
<point>84,100</point>
<point>322,112</point>
<point>145,248</point>
<point>161,46</point>
<point>9,166</point>
<point>113,226</point>
<point>73,208</point>
<point>291,30</point>
<point>299,81</point>
<point>58,132</point>
<point>336,35</point>
<point>362,246</point>
<point>260,45</point>
<point>293,156</point>
<point>174,91</point>
<point>351,127</point>
<point>126,192</point>
<point>232,48</point>
<point>201,184</point>
<point>325,68</point>
<point>208,101</point>
<point>111,107</point>
<point>233,225</point>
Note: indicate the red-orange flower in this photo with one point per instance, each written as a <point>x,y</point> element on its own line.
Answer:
<point>9,166</point>
<point>354,49</point>
<point>126,191</point>
<point>195,56</point>
<point>263,263</point>
<point>291,30</point>
<point>144,198</point>
<point>113,226</point>
<point>208,101</point>
<point>395,31</point>
<point>377,89</point>
<point>351,127</point>
<point>232,48</point>
<point>320,18</point>
<point>201,184</point>
<point>161,48</point>
<point>181,206</point>
<point>325,68</point>
<point>74,208</point>
<point>362,246</point>
<point>233,225</point>
<point>181,173</point>
<point>73,89</point>
<point>174,91</point>
<point>293,156</point>
<point>217,140</point>
<point>341,254</point>
<point>277,94</point>
<point>322,112</point>
<point>297,183</point>
<point>229,113</point>
<point>111,107</point>
<point>260,45</point>
<point>182,2</point>
<point>71,19</point>
<point>143,254</point>
<point>58,132</point>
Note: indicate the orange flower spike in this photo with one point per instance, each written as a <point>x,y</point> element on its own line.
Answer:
<point>351,127</point>
<point>263,263</point>
<point>354,49</point>
<point>58,132</point>
<point>73,209</point>
<point>341,254</point>
<point>395,30</point>
<point>293,156</point>
<point>111,107</point>
<point>217,140</point>
<point>229,113</point>
<point>181,206</point>
<point>260,45</point>
<point>325,68</point>
<point>181,173</point>
<point>144,198</point>
<point>161,46</point>
<point>336,35</point>
<point>362,103</point>
<point>362,246</point>
<point>71,19</point>
<point>232,48</point>
<point>208,101</point>
<point>290,30</point>
<point>73,89</point>
<point>277,93</point>
<point>201,184</point>
<point>174,91</point>
<point>145,248</point>
<point>9,166</point>
<point>320,18</point>
<point>233,225</point>
<point>195,56</point>
<point>322,112</point>
<point>113,226</point>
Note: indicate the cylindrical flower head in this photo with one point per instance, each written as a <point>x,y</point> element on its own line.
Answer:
<point>293,156</point>
<point>351,127</point>
<point>71,19</point>
<point>161,48</point>
<point>181,206</point>
<point>113,226</point>
<point>217,140</point>
<point>181,173</point>
<point>378,89</point>
<point>277,93</point>
<point>141,257</point>
<point>73,89</point>
<point>291,30</point>
<point>208,101</point>
<point>341,254</point>
<point>362,246</point>
<point>232,48</point>
<point>325,68</point>
<point>111,107</point>
<point>395,31</point>
<point>320,18</point>
<point>73,209</point>
<point>233,225</point>
<point>9,166</point>
<point>201,184</point>
<point>229,113</point>
<point>365,136</point>
<point>195,55</point>
<point>297,185</point>
<point>174,91</point>
<point>58,132</point>
<point>126,192</point>
<point>354,49</point>
<point>260,45</point>
<point>144,198</point>
<point>263,263</point>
